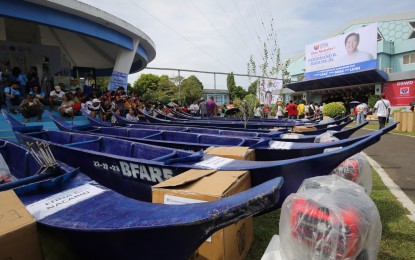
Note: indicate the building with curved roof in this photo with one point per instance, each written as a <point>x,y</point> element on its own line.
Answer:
<point>70,34</point>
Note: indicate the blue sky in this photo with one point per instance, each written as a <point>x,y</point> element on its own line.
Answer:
<point>227,30</point>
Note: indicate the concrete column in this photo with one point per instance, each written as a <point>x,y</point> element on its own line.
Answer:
<point>122,67</point>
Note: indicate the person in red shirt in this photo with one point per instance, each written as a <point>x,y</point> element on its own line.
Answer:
<point>292,110</point>
<point>185,109</point>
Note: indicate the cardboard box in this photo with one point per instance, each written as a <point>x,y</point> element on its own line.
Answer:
<point>232,152</point>
<point>411,122</point>
<point>372,117</point>
<point>18,235</point>
<point>300,129</point>
<point>193,186</point>
<point>397,117</point>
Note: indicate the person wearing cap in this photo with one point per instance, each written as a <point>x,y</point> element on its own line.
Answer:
<point>56,97</point>
<point>94,107</point>
<point>13,96</point>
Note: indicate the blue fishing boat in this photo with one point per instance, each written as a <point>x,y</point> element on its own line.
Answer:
<point>80,219</point>
<point>167,126</point>
<point>26,166</point>
<point>129,166</point>
<point>201,130</point>
<point>265,148</point>
<point>234,123</point>
<point>229,131</point>
<point>213,123</point>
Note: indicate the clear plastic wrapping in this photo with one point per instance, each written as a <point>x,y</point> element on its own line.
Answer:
<point>356,169</point>
<point>329,218</point>
<point>326,137</point>
<point>326,121</point>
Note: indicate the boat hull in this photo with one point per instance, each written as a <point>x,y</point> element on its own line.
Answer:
<point>122,168</point>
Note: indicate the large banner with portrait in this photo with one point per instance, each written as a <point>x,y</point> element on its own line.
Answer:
<point>347,53</point>
<point>400,93</point>
<point>269,91</point>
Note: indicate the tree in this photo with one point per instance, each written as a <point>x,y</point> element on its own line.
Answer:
<point>234,91</point>
<point>191,89</point>
<point>230,82</point>
<point>103,82</point>
<point>192,79</point>
<point>246,107</point>
<point>272,65</point>
<point>238,92</point>
<point>145,83</point>
<point>252,89</point>
<point>176,79</point>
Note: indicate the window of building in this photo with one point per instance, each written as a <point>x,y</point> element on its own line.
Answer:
<point>408,59</point>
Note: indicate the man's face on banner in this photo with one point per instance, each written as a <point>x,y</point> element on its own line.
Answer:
<point>351,44</point>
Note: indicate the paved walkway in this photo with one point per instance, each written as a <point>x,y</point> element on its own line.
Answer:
<point>396,154</point>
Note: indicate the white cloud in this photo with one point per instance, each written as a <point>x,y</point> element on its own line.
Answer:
<point>298,23</point>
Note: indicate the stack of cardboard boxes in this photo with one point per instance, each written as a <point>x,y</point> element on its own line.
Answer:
<point>195,186</point>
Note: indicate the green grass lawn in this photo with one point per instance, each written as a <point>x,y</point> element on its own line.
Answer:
<point>375,126</point>
<point>398,232</point>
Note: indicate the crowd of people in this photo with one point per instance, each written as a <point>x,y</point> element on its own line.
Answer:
<point>292,110</point>
<point>22,93</point>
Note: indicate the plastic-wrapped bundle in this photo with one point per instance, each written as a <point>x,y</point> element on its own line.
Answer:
<point>326,137</point>
<point>329,218</point>
<point>356,169</point>
<point>326,121</point>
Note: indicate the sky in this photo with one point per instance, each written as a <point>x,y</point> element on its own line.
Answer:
<point>221,35</point>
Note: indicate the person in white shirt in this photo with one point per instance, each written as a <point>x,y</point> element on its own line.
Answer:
<point>94,107</point>
<point>279,112</point>
<point>56,97</point>
<point>362,110</point>
<point>360,116</point>
<point>257,112</point>
<point>194,108</point>
<point>382,108</point>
